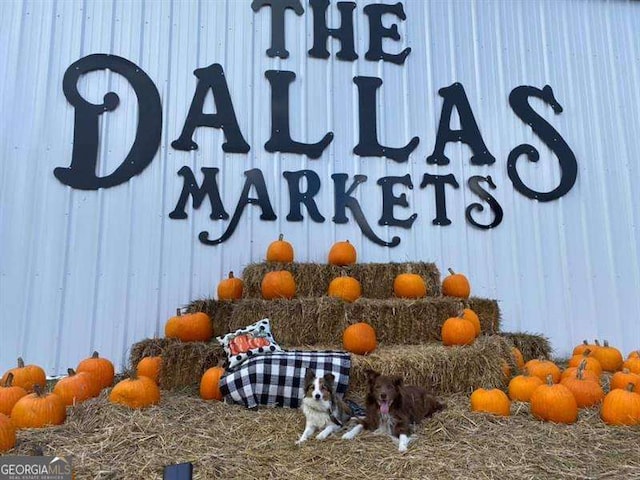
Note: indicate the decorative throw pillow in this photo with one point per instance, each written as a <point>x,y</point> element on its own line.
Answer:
<point>255,339</point>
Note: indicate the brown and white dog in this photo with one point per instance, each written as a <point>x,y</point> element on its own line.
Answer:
<point>393,408</point>
<point>322,408</point>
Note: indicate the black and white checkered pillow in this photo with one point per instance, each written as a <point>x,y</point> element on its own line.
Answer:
<point>255,339</point>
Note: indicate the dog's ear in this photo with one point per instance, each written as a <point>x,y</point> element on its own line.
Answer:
<point>329,379</point>
<point>310,375</point>
<point>397,382</point>
<point>372,375</point>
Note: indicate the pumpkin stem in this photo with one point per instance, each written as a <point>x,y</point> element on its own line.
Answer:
<point>606,343</point>
<point>597,343</point>
<point>630,387</point>
<point>581,368</point>
<point>20,362</point>
<point>37,388</point>
<point>451,271</point>
<point>9,380</point>
<point>586,353</point>
<point>178,312</point>
<point>95,355</point>
<point>550,380</point>
<point>71,372</point>
<point>585,342</point>
<point>280,237</point>
<point>231,274</point>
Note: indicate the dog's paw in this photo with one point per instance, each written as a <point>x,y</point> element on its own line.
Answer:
<point>403,443</point>
<point>301,441</point>
<point>351,434</point>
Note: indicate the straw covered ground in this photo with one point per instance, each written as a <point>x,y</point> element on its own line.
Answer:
<point>312,279</point>
<point>432,365</point>
<point>230,442</point>
<point>322,320</point>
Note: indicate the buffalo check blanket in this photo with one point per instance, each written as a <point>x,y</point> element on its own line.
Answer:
<point>277,379</point>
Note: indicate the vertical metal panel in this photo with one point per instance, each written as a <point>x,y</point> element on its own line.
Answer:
<point>85,270</point>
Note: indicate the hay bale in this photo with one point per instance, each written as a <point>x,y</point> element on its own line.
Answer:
<point>531,345</point>
<point>312,279</point>
<point>183,363</point>
<point>321,320</point>
<point>151,347</point>
<point>440,369</point>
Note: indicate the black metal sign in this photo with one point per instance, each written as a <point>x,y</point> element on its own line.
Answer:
<point>81,173</point>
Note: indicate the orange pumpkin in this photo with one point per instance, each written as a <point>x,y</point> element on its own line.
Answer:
<point>409,285</point>
<point>542,368</point>
<point>189,327</point>
<point>210,384</point>
<point>591,363</point>
<point>345,287</point>
<point>622,379</point>
<point>135,392</point>
<point>359,338</point>
<point>7,434</point>
<point>9,395</point>
<point>586,392</point>
<point>26,376</point>
<point>517,357</point>
<point>632,364</point>
<point>609,357</point>
<point>634,354</point>
<point>150,367</point>
<point>472,316</point>
<point>75,388</point>
<point>456,285</point>
<point>38,410</point>
<point>579,349</point>
<point>278,284</point>
<point>230,288</point>
<point>522,387</point>
<point>280,251</point>
<point>493,401</point>
<point>101,368</point>
<point>554,403</point>
<point>342,253</point>
<point>458,331</point>
<point>572,372</point>
<point>621,407</point>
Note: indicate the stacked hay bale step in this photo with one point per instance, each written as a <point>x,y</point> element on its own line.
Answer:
<point>322,320</point>
<point>443,369</point>
<point>312,279</point>
<point>408,331</point>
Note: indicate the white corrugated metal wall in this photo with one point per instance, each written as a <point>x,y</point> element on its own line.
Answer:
<point>85,270</point>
